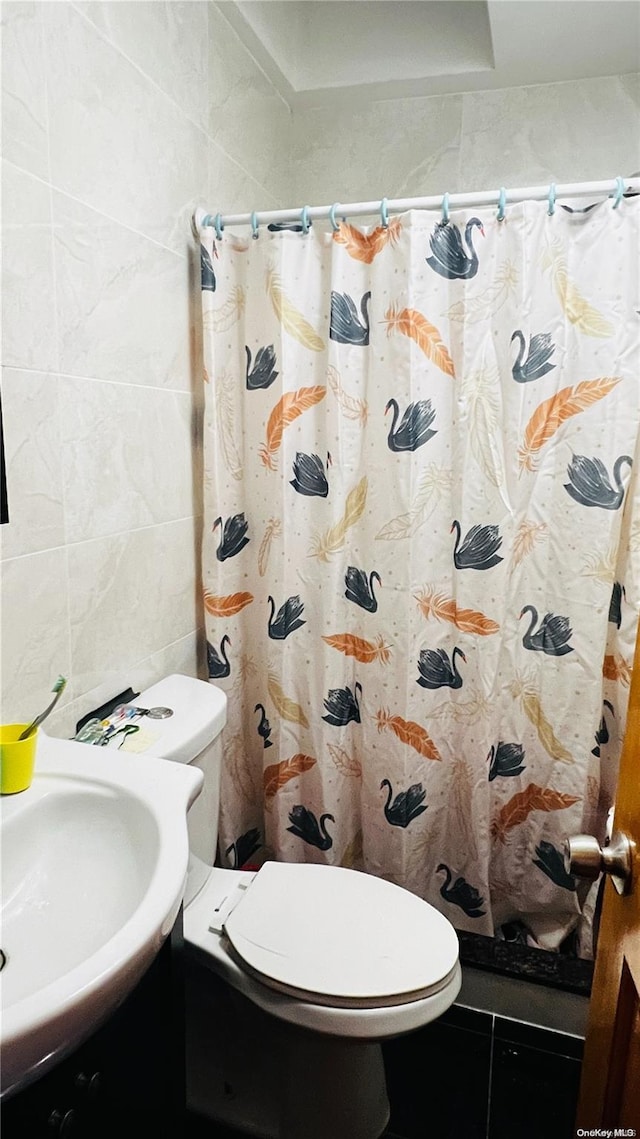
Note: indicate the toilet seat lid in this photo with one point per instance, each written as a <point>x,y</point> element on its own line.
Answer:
<point>341,937</point>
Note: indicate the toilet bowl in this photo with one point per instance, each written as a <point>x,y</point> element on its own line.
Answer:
<point>295,972</point>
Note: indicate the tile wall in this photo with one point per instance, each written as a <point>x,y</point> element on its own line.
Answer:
<point>118,118</point>
<point>523,136</point>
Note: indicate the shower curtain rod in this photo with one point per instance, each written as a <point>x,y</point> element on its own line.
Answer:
<point>500,198</point>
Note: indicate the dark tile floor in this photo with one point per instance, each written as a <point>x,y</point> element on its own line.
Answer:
<point>473,1076</point>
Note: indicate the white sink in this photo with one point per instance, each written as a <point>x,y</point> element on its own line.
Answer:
<point>94,864</point>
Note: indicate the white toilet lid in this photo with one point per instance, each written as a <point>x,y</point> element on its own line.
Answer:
<point>341,937</point>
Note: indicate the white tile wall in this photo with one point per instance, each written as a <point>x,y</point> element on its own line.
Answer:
<point>574,131</point>
<point>247,118</point>
<point>563,132</point>
<point>117,142</point>
<point>29,335</point>
<point>122,301</point>
<point>116,122</point>
<point>24,97</point>
<point>34,456</point>
<point>393,149</point>
<point>132,589</point>
<point>111,483</point>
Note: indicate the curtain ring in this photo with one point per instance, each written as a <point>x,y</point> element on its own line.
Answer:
<point>502,201</point>
<point>254,226</point>
<point>218,225</point>
<point>619,192</point>
<point>304,218</point>
<point>384,215</point>
<point>445,209</point>
<point>332,217</point>
<point>552,200</point>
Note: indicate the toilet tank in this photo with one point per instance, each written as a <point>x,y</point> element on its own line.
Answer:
<point>191,735</point>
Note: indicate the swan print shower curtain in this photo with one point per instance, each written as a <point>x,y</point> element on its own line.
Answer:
<point>422,546</point>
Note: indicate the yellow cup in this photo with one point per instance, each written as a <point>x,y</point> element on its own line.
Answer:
<point>17,758</point>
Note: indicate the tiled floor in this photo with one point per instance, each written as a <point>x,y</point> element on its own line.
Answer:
<point>472,1075</point>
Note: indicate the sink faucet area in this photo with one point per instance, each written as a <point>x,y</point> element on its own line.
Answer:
<point>94,864</point>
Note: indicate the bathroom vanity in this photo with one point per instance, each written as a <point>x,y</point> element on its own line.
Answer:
<point>126,1080</point>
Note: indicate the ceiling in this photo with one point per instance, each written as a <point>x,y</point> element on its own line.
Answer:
<point>319,51</point>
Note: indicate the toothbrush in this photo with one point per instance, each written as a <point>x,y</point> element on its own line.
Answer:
<point>58,688</point>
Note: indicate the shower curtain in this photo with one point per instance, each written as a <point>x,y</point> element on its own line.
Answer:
<point>422,546</point>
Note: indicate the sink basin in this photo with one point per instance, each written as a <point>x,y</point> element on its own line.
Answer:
<point>94,863</point>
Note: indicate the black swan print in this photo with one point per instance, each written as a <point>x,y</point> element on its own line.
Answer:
<point>309,477</point>
<point>263,373</point>
<point>414,428</point>
<point>602,734</point>
<point>342,706</point>
<point>264,727</point>
<point>448,255</point>
<point>552,637</point>
<point>245,845</point>
<point>615,605</point>
<point>437,671</point>
<point>505,760</point>
<point>305,825</point>
<point>207,274</point>
<point>233,538</point>
<point>288,618</point>
<point>538,361</point>
<point>589,482</point>
<point>551,862</point>
<point>406,806</point>
<point>461,894</point>
<point>217,661</point>
<point>479,550</point>
<point>346,326</point>
<point>359,588</point>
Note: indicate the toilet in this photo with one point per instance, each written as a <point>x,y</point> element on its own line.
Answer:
<point>295,973</point>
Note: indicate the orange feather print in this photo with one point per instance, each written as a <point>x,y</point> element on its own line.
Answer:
<point>225,606</point>
<point>409,322</point>
<point>364,651</point>
<point>519,807</point>
<point>288,408</point>
<point>409,733</point>
<point>277,774</point>
<point>432,604</point>
<point>616,668</point>
<point>365,246</point>
<point>552,413</point>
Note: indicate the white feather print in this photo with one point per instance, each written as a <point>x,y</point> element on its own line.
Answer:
<point>601,566</point>
<point>461,807</point>
<point>434,483</point>
<point>479,390</point>
<point>221,319</point>
<point>475,708</point>
<point>352,407</point>
<point>473,309</point>
<point>238,766</point>
<point>225,385</point>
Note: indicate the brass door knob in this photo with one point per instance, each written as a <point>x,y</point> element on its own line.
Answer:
<point>584,857</point>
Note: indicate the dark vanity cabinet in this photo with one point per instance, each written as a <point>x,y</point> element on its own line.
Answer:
<point>125,1081</point>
